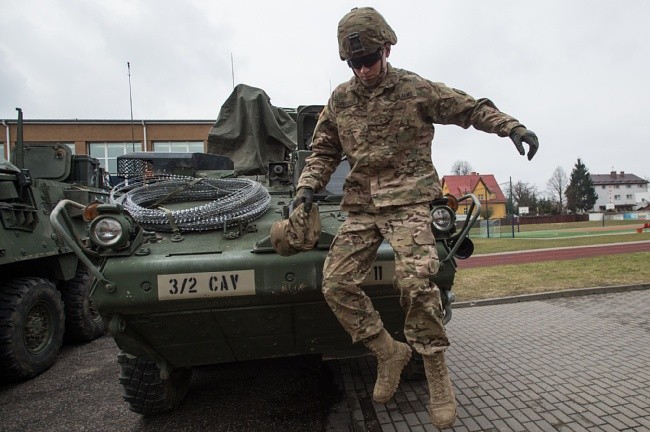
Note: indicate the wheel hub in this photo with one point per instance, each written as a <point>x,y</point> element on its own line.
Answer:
<point>38,328</point>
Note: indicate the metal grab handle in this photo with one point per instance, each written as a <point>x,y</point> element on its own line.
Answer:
<point>59,213</point>
<point>475,211</point>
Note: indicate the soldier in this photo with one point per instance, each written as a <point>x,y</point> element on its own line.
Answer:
<point>382,121</point>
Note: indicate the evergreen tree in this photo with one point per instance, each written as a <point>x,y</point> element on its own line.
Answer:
<point>581,193</point>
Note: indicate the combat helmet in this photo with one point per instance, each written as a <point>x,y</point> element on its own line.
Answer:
<point>363,31</point>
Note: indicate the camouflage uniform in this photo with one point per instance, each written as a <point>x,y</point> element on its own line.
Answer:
<point>386,134</point>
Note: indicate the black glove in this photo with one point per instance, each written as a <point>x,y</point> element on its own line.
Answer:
<point>304,195</point>
<point>521,135</point>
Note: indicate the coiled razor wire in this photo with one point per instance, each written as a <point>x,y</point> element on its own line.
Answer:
<point>232,201</point>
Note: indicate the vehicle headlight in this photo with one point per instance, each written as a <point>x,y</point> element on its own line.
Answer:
<point>109,231</point>
<point>443,218</point>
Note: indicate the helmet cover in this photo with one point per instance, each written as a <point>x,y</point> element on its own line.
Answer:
<point>363,31</point>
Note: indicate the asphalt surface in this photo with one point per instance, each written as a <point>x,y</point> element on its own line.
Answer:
<point>81,392</point>
<point>556,364</point>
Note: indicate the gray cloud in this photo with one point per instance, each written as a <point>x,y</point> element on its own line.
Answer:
<point>574,72</point>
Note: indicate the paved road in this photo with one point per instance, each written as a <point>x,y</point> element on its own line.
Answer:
<point>565,253</point>
<point>565,364</point>
<point>81,392</point>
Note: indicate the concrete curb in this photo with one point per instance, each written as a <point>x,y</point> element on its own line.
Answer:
<point>576,292</point>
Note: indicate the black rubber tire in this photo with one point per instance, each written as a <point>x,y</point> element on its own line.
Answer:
<point>32,324</point>
<point>82,320</point>
<point>414,370</point>
<point>144,390</point>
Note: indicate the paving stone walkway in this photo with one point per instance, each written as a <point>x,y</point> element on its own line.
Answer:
<point>562,364</point>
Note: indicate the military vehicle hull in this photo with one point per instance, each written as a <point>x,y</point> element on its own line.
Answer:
<point>175,300</point>
<point>229,300</point>
<point>44,290</point>
<point>183,283</point>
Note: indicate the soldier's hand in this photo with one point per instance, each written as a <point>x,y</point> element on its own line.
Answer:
<point>304,195</point>
<point>520,135</point>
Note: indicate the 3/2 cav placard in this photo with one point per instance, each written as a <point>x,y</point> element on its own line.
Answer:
<point>181,286</point>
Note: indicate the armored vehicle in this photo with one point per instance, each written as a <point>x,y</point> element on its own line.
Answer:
<point>44,290</point>
<point>188,275</point>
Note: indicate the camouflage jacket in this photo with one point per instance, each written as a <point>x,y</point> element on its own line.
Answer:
<point>386,134</point>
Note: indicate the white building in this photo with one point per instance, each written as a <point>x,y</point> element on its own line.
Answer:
<point>619,191</point>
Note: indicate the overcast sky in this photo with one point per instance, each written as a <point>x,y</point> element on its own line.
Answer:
<point>575,72</point>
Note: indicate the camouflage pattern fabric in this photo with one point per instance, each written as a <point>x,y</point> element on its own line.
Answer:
<point>408,231</point>
<point>363,31</point>
<point>386,134</point>
<point>298,233</point>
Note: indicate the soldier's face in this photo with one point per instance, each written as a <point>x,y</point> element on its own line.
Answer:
<point>372,75</point>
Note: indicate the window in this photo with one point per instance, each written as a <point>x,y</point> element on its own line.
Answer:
<point>107,153</point>
<point>602,187</point>
<point>628,186</point>
<point>617,197</point>
<point>178,146</point>
<point>616,186</point>
<point>628,196</point>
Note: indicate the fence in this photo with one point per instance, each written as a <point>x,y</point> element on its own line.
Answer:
<point>489,228</point>
<point>523,220</point>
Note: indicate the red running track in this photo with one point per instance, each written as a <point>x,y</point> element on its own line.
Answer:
<point>552,254</point>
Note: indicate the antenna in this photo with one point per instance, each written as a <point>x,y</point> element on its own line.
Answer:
<point>232,70</point>
<point>128,67</point>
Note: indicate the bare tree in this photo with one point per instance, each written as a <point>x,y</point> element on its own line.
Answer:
<point>461,167</point>
<point>556,186</point>
<point>525,195</point>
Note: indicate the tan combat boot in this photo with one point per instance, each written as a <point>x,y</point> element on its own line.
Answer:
<point>442,403</point>
<point>392,356</point>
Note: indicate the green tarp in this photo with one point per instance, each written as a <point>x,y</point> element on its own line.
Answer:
<point>252,132</point>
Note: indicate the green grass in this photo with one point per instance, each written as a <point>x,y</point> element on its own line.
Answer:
<point>508,280</point>
<point>571,225</point>
<point>558,230</point>
<point>492,245</point>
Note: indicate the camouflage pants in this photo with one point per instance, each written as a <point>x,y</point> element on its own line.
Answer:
<point>408,230</point>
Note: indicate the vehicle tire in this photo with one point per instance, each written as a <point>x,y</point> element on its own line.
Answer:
<point>414,370</point>
<point>32,324</point>
<point>145,391</point>
<point>83,322</point>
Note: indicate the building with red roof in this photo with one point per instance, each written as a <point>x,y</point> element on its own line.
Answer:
<point>483,186</point>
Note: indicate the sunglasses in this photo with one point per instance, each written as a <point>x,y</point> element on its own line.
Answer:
<point>367,60</point>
